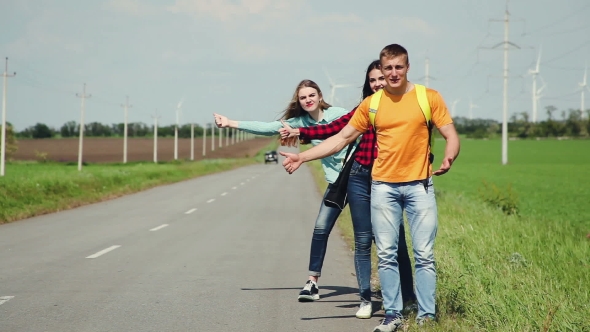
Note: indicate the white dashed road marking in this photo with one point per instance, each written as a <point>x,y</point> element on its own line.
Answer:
<point>158,228</point>
<point>190,211</point>
<point>211,200</point>
<point>102,252</point>
<point>4,299</point>
<point>242,183</point>
<point>234,188</point>
<point>223,194</point>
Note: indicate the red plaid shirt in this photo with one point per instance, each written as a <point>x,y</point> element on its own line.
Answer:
<point>367,149</point>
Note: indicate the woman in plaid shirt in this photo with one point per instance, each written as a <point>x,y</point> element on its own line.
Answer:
<point>359,195</point>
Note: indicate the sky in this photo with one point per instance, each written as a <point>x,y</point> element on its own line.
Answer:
<point>244,58</point>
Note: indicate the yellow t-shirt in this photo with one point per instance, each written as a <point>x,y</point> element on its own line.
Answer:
<point>402,134</point>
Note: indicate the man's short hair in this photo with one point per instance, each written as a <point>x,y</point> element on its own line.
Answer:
<point>393,50</point>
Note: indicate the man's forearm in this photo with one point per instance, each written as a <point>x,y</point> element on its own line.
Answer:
<point>327,148</point>
<point>452,148</point>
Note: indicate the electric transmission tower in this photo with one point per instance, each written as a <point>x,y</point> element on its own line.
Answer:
<point>506,44</point>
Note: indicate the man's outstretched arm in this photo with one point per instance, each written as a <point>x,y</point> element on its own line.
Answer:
<point>327,148</point>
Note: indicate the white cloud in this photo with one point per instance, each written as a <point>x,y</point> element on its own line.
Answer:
<point>133,7</point>
<point>417,25</point>
<point>228,11</point>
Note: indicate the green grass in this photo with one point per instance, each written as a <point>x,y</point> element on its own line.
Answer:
<point>522,272</point>
<point>31,188</point>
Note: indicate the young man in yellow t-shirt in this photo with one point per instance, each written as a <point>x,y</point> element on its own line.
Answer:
<point>401,179</point>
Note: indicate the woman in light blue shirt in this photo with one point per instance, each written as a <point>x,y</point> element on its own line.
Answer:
<point>307,108</point>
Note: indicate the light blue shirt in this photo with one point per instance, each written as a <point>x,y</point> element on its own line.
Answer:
<point>331,164</point>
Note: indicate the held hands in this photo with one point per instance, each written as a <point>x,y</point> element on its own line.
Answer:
<point>221,121</point>
<point>445,167</point>
<point>292,161</point>
<point>287,131</point>
<point>288,135</point>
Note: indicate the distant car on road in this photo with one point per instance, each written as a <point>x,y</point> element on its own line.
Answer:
<point>271,156</point>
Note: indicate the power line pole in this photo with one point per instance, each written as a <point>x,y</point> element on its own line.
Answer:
<point>212,137</point>
<point>176,135</point>
<point>427,76</point>
<point>83,96</point>
<point>505,44</point>
<point>205,140</point>
<point>583,87</point>
<point>192,141</point>
<point>3,146</point>
<point>126,106</point>
<point>155,117</point>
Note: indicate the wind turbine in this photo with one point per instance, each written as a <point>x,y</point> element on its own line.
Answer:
<point>536,92</point>
<point>453,107</point>
<point>178,107</point>
<point>471,107</point>
<point>583,88</point>
<point>334,86</point>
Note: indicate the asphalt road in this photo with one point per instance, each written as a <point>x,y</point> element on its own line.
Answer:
<point>224,252</point>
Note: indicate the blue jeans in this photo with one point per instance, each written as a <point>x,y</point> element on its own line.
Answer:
<point>359,200</point>
<point>319,242</point>
<point>388,201</point>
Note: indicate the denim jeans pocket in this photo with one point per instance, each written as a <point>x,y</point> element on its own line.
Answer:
<point>356,167</point>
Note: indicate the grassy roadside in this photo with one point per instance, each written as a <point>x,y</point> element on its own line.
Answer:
<point>33,189</point>
<point>528,271</point>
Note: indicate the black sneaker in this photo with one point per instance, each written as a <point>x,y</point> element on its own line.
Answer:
<point>310,292</point>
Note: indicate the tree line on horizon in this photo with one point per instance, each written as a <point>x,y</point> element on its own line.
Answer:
<point>569,123</point>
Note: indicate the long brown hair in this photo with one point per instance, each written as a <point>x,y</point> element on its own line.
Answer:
<point>294,109</point>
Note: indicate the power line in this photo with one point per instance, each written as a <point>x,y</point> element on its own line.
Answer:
<point>561,97</point>
<point>35,84</point>
<point>577,29</point>
<point>567,53</point>
<point>42,73</point>
<point>574,13</point>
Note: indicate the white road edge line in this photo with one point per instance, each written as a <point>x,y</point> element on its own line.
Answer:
<point>4,299</point>
<point>102,252</point>
<point>223,194</point>
<point>158,228</point>
<point>211,200</point>
<point>190,211</point>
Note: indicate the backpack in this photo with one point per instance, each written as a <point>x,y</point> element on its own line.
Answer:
<point>424,106</point>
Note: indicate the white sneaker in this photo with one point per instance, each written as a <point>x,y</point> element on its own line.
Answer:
<point>365,310</point>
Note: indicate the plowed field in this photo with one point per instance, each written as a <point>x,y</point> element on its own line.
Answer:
<point>107,150</point>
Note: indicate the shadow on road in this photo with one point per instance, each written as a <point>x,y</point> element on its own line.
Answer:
<point>336,290</point>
